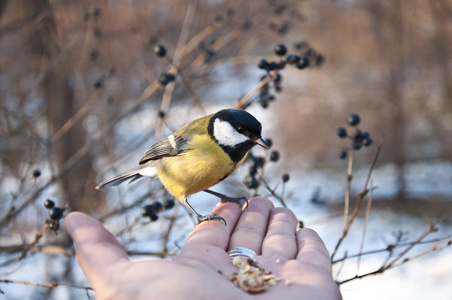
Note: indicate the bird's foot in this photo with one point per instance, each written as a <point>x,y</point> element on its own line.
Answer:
<point>209,217</point>
<point>241,201</point>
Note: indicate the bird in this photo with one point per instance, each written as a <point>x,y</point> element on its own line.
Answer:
<point>199,155</point>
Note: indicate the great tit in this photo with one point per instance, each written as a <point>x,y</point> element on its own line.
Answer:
<point>199,155</point>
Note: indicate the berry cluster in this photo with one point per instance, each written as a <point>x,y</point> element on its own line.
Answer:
<point>258,162</point>
<point>164,78</point>
<point>358,138</point>
<point>305,50</point>
<point>55,214</point>
<point>153,209</point>
<point>305,58</point>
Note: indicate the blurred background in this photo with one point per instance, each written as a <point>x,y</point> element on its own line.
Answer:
<point>80,101</point>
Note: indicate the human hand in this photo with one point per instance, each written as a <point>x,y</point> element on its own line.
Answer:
<point>203,267</point>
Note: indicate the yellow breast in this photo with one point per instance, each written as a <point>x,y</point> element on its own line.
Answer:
<point>196,170</point>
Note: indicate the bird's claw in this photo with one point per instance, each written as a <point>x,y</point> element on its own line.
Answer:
<point>210,217</point>
<point>241,201</point>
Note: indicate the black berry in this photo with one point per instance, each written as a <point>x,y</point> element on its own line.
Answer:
<point>292,59</point>
<point>272,66</point>
<point>49,204</point>
<point>168,204</point>
<point>36,173</point>
<point>353,119</point>
<point>146,211</point>
<point>303,62</point>
<point>160,50</point>
<point>341,132</point>
<point>343,155</point>
<point>253,170</point>
<point>153,217</point>
<point>280,50</point>
<point>156,207</point>
<point>285,177</point>
<point>263,64</point>
<point>274,156</point>
<point>165,78</point>
<point>281,65</point>
<point>364,135</point>
<point>259,161</point>
<point>251,182</point>
<point>269,142</point>
<point>367,141</point>
<point>55,213</point>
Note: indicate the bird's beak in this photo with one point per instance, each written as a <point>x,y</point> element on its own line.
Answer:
<point>260,141</point>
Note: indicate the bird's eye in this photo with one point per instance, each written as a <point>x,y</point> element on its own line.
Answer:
<point>240,130</point>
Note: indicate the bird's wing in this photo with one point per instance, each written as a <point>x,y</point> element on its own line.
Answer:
<point>170,146</point>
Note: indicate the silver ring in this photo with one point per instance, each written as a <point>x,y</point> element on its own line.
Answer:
<point>237,251</point>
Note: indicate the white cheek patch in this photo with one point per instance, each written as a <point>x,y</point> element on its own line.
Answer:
<point>226,135</point>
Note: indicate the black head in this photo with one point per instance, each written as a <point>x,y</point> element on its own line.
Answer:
<point>236,131</point>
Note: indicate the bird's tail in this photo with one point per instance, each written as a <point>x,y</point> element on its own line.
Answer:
<point>132,175</point>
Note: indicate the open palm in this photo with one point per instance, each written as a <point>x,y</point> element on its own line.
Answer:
<point>203,267</point>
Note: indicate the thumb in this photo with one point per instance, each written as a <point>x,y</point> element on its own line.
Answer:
<point>97,250</point>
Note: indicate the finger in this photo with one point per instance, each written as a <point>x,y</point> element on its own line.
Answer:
<point>214,232</point>
<point>97,250</point>
<point>208,241</point>
<point>252,225</point>
<point>280,241</point>
<point>312,250</point>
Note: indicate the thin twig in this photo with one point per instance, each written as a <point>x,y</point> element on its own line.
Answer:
<point>431,228</point>
<point>125,208</point>
<point>77,116</point>
<point>169,88</point>
<point>46,285</point>
<point>38,236</point>
<point>361,196</point>
<point>283,203</point>
<point>244,102</point>
<point>80,154</point>
<point>440,246</point>
<point>348,178</point>
<point>169,230</point>
<point>366,218</point>
<point>219,43</point>
<point>195,98</point>
<point>389,248</point>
